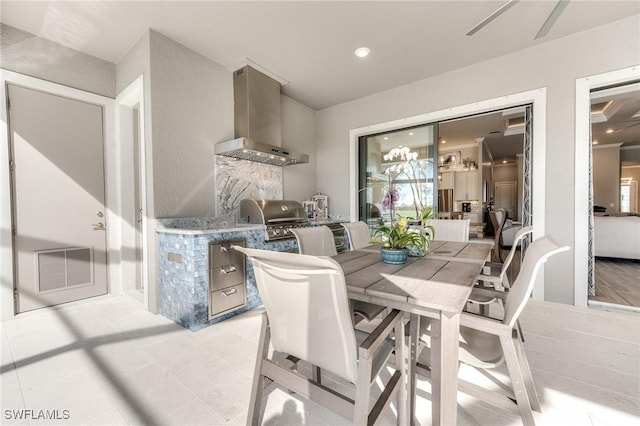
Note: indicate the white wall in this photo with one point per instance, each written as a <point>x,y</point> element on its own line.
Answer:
<point>606,177</point>
<point>554,65</point>
<point>31,55</point>
<point>505,173</point>
<point>299,134</point>
<point>192,109</point>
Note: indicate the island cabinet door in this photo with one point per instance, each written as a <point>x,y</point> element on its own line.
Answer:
<point>227,279</point>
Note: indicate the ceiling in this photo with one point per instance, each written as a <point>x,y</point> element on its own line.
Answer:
<point>309,45</point>
<point>619,123</point>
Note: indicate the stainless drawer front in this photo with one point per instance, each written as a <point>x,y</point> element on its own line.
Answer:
<point>224,276</point>
<point>220,254</point>
<point>227,299</point>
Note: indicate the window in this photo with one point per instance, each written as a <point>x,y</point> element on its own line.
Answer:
<point>396,173</point>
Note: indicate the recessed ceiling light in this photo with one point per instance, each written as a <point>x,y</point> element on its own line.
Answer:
<point>609,130</point>
<point>410,133</point>
<point>443,141</point>
<point>595,142</point>
<point>362,52</point>
<point>504,161</point>
<point>386,138</point>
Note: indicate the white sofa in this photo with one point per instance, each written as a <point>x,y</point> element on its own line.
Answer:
<point>617,236</point>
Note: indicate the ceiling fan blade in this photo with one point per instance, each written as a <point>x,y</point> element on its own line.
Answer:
<point>552,18</point>
<point>493,16</point>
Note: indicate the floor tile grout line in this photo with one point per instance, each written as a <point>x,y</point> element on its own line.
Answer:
<point>15,369</point>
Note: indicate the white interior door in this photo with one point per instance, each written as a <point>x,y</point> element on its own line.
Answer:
<point>58,198</point>
<point>506,197</point>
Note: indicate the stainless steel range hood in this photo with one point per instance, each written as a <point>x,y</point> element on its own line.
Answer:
<point>257,121</point>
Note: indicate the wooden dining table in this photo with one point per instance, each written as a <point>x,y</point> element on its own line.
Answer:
<point>435,286</point>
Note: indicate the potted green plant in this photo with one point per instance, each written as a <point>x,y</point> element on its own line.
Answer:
<point>428,231</point>
<point>398,239</point>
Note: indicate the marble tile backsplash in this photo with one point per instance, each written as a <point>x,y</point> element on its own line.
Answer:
<point>238,179</point>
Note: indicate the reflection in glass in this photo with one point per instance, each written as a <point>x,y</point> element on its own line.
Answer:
<point>397,171</point>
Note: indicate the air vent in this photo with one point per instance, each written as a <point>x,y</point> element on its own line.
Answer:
<point>514,126</point>
<point>63,268</point>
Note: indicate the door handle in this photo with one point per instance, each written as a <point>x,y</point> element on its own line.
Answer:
<point>229,270</point>
<point>98,226</point>
<point>229,292</point>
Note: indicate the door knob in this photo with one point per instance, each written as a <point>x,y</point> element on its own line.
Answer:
<point>98,226</point>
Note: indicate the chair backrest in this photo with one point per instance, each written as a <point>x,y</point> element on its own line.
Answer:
<point>451,230</point>
<point>305,298</point>
<point>537,253</point>
<point>516,242</point>
<point>358,234</point>
<point>498,218</point>
<point>315,241</point>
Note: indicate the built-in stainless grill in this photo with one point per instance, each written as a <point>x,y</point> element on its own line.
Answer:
<point>279,216</point>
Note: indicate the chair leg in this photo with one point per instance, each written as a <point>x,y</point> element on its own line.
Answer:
<point>517,379</point>
<point>401,363</point>
<point>253,416</point>
<point>363,391</point>
<point>526,373</point>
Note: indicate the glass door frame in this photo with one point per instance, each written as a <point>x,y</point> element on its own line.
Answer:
<point>583,209</point>
<point>536,97</point>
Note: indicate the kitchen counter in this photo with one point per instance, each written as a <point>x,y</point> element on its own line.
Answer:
<point>183,263</point>
<point>201,226</point>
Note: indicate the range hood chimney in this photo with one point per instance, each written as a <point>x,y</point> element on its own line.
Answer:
<point>257,122</point>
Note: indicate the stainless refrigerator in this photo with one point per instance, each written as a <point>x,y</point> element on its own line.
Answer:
<point>445,200</point>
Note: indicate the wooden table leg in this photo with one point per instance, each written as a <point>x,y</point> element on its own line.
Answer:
<point>444,371</point>
<point>414,326</point>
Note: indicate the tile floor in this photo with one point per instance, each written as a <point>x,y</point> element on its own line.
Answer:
<point>108,362</point>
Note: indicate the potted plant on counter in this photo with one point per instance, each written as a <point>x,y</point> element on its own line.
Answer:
<point>397,239</point>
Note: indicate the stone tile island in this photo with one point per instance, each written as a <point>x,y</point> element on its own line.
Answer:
<point>183,249</point>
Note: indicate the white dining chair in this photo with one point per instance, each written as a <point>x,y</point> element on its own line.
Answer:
<point>450,230</point>
<point>488,343</point>
<point>307,316</point>
<point>318,241</point>
<point>496,273</point>
<point>315,241</point>
<point>359,236</point>
<point>496,278</point>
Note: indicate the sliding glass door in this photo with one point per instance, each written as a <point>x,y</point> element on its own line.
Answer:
<point>397,174</point>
